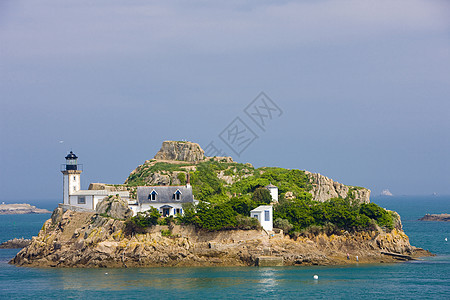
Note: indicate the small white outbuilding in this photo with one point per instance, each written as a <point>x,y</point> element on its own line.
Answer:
<point>264,214</point>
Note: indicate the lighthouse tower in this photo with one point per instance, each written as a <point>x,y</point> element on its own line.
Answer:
<point>71,177</point>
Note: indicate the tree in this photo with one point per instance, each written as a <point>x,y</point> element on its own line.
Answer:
<point>262,196</point>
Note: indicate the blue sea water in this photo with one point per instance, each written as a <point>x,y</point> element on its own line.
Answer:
<point>425,279</point>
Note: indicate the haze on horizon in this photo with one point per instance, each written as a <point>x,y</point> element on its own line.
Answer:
<point>363,86</point>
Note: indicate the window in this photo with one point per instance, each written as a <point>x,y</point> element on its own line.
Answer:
<point>256,217</point>
<point>178,211</point>
<point>82,200</point>
<point>177,195</point>
<point>74,188</point>
<point>152,195</point>
<point>266,215</point>
<point>75,178</point>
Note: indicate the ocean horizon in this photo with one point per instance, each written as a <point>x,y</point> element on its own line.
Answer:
<point>427,278</point>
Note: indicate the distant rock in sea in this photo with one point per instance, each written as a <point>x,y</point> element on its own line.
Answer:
<point>436,217</point>
<point>20,209</point>
<point>386,193</point>
<point>15,244</point>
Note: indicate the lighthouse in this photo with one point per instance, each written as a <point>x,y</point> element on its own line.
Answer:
<point>71,177</point>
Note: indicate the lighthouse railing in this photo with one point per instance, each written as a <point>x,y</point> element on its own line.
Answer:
<point>64,167</point>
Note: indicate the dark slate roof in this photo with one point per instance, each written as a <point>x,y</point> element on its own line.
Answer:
<point>164,194</point>
<point>71,155</point>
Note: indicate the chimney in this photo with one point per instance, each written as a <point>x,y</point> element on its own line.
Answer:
<point>188,179</point>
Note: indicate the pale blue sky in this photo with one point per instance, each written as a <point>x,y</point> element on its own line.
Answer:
<point>364,87</point>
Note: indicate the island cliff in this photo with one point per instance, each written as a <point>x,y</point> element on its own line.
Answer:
<point>79,239</point>
<point>323,221</point>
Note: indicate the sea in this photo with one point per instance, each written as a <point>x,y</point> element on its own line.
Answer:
<point>428,278</point>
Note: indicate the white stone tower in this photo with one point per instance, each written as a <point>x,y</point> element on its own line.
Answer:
<point>71,177</point>
<point>273,192</point>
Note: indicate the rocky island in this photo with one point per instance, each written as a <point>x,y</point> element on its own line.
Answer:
<point>436,217</point>
<point>317,221</point>
<point>19,209</point>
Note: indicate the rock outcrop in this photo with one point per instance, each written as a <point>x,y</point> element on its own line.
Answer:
<point>20,209</point>
<point>114,207</point>
<point>324,188</point>
<point>181,151</point>
<point>436,217</point>
<point>81,239</point>
<point>15,243</point>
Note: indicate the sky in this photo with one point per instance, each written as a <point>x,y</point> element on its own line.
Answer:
<point>358,91</point>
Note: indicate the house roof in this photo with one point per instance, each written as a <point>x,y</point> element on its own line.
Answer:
<point>261,208</point>
<point>100,193</point>
<point>270,186</point>
<point>164,194</point>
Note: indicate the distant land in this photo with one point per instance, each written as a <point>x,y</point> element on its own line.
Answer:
<point>20,209</point>
<point>436,217</point>
<point>386,193</point>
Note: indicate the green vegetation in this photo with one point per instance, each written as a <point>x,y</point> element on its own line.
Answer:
<point>227,206</point>
<point>140,222</point>
<point>262,195</point>
<point>334,214</point>
<point>220,216</point>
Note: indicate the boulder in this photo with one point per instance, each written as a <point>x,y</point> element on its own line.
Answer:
<point>114,207</point>
<point>179,150</point>
<point>57,215</point>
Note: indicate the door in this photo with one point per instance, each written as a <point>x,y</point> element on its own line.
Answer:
<point>165,212</point>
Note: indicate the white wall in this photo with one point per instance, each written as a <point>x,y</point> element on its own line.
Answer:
<point>88,205</point>
<point>146,206</point>
<point>71,184</point>
<point>274,194</point>
<point>260,214</point>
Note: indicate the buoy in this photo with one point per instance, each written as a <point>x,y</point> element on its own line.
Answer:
<point>445,239</point>
<point>106,273</point>
<point>316,277</point>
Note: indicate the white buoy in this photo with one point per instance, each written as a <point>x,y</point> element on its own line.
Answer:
<point>106,273</point>
<point>316,277</point>
<point>445,239</point>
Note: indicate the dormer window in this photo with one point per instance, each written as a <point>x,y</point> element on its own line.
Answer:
<point>177,195</point>
<point>152,195</point>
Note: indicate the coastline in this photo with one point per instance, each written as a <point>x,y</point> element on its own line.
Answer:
<point>21,209</point>
<point>88,240</point>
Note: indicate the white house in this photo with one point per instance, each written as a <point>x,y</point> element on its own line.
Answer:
<point>273,192</point>
<point>167,200</point>
<point>74,197</point>
<point>264,214</point>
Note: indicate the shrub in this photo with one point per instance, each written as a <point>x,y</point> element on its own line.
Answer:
<point>215,217</point>
<point>247,223</point>
<point>379,214</point>
<point>262,196</point>
<point>283,224</point>
<point>166,232</point>
<point>182,178</point>
<point>140,222</point>
<point>242,205</point>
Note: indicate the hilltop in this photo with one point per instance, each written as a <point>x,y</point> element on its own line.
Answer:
<point>217,179</point>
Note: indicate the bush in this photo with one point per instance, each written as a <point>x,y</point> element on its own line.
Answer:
<point>247,223</point>
<point>166,232</point>
<point>379,214</point>
<point>140,222</point>
<point>215,217</point>
<point>283,224</point>
<point>242,205</point>
<point>262,196</point>
<point>331,216</point>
